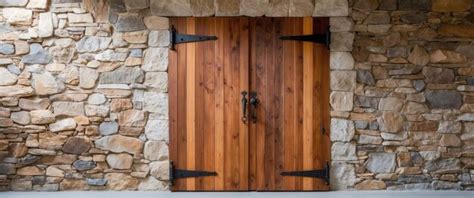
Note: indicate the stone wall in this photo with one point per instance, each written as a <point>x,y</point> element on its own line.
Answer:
<point>83,91</point>
<point>411,79</point>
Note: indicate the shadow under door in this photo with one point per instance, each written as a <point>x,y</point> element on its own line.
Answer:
<point>249,108</point>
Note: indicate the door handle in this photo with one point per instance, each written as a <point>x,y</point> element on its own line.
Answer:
<point>253,106</point>
<point>244,106</point>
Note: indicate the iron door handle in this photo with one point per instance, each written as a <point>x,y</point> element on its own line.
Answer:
<point>253,106</point>
<point>244,106</point>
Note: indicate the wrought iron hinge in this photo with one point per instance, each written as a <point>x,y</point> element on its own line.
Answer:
<point>322,173</point>
<point>315,38</point>
<point>180,173</point>
<point>177,38</point>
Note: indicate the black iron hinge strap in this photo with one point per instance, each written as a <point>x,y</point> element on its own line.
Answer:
<point>177,38</point>
<point>181,173</point>
<point>315,38</point>
<point>321,174</point>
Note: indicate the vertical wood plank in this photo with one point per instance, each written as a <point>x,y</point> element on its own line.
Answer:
<point>190,104</point>
<point>254,163</point>
<point>219,106</point>
<point>199,94</point>
<point>244,86</point>
<point>173,101</point>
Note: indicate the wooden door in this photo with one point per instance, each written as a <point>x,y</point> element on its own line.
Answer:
<point>206,79</point>
<point>291,81</point>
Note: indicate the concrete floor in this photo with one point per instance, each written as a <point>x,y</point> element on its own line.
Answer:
<point>130,194</point>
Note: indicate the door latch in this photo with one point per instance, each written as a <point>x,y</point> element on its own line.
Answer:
<point>253,106</point>
<point>244,106</point>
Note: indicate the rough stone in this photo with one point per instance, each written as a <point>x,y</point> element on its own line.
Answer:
<point>37,55</point>
<point>92,44</point>
<point>451,5</point>
<point>160,170</point>
<point>171,8</point>
<point>443,99</point>
<point>157,130</point>
<point>391,122</point>
<point>76,145</point>
<point>39,4</point>
<point>390,104</point>
<point>122,75</point>
<point>450,140</point>
<point>156,150</point>
<point>159,38</point>
<point>135,37</point>
<point>68,108</point>
<point>80,18</point>
<point>342,175</point>
<point>132,118</point>
<point>45,24</point>
<point>6,48</point>
<point>156,23</point>
<point>152,184</point>
<point>342,130</point>
<point>87,77</point>
<point>155,59</point>
<point>420,5</point>
<point>253,8</point>
<point>13,3</point>
<point>376,18</point>
<point>96,99</point>
<point>365,77</point>
<point>342,41</point>
<point>438,75</point>
<point>130,23</point>
<point>343,151</point>
<point>111,55</point>
<point>341,61</point>
<point>108,128</point>
<point>7,78</point>
<point>381,162</point>
<point>137,4</point>
<point>156,103</point>
<point>461,30</point>
<point>445,56</point>
<point>121,181</point>
<point>343,80</point>
<point>7,169</point>
<point>18,16</point>
<point>441,165</point>
<point>370,185</point>
<point>73,184</point>
<point>84,165</point>
<point>227,7</point>
<point>419,56</point>
<point>63,125</point>
<point>157,80</point>
<point>367,102</point>
<point>118,143</point>
<point>96,181</point>
<point>331,8</point>
<point>42,117</point>
<point>449,127</point>
<point>342,101</point>
<point>30,171</point>
<point>46,84</point>
<point>21,117</point>
<point>341,24</point>
<point>97,110</point>
<point>120,161</point>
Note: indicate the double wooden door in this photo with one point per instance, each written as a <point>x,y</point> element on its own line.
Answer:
<point>247,142</point>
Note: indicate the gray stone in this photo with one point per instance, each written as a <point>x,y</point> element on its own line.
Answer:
<point>96,99</point>
<point>443,99</point>
<point>155,59</point>
<point>374,125</point>
<point>21,117</point>
<point>45,24</point>
<point>342,130</point>
<point>19,16</point>
<point>381,162</point>
<point>391,104</point>
<point>97,110</point>
<point>96,181</point>
<point>361,124</point>
<point>152,184</point>
<point>396,52</point>
<point>331,8</point>
<point>342,175</point>
<point>413,178</point>
<point>108,128</point>
<point>342,41</point>
<point>14,69</point>
<point>130,23</point>
<point>92,44</point>
<point>156,103</point>
<point>37,55</point>
<point>444,185</point>
<point>87,77</point>
<point>303,8</point>
<point>13,3</point>
<point>157,130</point>
<point>171,8</point>
<point>342,101</point>
<point>430,155</point>
<point>341,24</point>
<point>137,4</point>
<point>343,151</point>
<point>46,84</point>
<point>157,80</point>
<point>449,127</point>
<point>411,187</point>
<point>368,139</point>
<point>80,18</point>
<point>443,165</point>
<point>159,38</point>
<point>413,18</point>
<point>137,53</point>
<point>68,108</point>
<point>7,169</point>
<point>227,7</point>
<point>253,8</point>
<point>341,61</point>
<point>156,150</point>
<point>366,5</point>
<point>83,165</point>
<point>419,5</point>
<point>367,102</point>
<point>395,136</point>
<point>419,85</point>
<point>391,122</point>
<point>122,75</point>
<point>111,55</point>
<point>438,75</point>
<point>6,48</point>
<point>42,117</point>
<point>343,80</point>
<point>378,17</point>
<point>157,23</point>
<point>466,50</point>
<point>365,77</point>
<point>160,170</point>
<point>7,78</point>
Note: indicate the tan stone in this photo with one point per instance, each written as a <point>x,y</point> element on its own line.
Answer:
<point>390,104</point>
<point>118,144</point>
<point>136,37</point>
<point>343,80</point>
<point>54,172</point>
<point>391,122</point>
<point>462,30</point>
<point>17,149</point>
<point>227,7</point>
<point>50,140</point>
<point>444,56</point>
<point>30,171</point>
<point>118,105</point>
<point>58,159</point>
<point>409,171</point>
<point>120,161</point>
<point>419,56</point>
<point>202,7</point>
<point>156,23</point>
<point>15,90</point>
<point>171,8</point>
<point>342,101</point>
<point>121,181</point>
<point>331,8</point>
<point>451,5</point>
<point>253,8</point>
<point>114,90</point>
<point>132,118</point>
<point>21,47</point>
<point>73,184</point>
<point>76,145</point>
<point>278,8</point>
<point>450,140</point>
<point>300,8</point>
<point>42,117</point>
<point>466,71</point>
<point>371,185</point>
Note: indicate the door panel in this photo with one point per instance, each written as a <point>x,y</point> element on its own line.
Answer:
<point>206,78</point>
<point>289,79</point>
